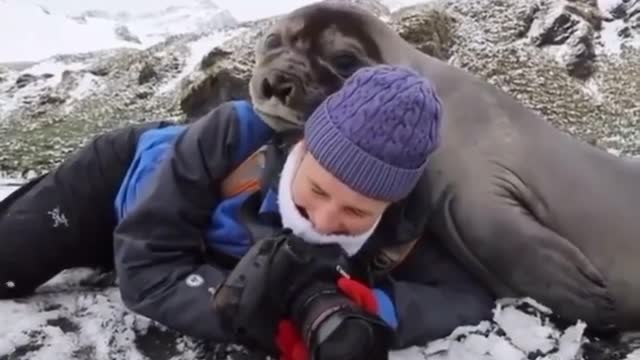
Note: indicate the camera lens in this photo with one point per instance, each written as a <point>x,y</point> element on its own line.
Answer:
<point>350,340</point>
<point>322,314</point>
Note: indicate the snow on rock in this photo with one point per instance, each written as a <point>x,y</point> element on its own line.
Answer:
<point>41,84</point>
<point>621,26</point>
<point>541,52</point>
<point>55,27</point>
<point>85,94</point>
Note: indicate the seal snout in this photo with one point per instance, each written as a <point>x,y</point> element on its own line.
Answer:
<point>279,85</point>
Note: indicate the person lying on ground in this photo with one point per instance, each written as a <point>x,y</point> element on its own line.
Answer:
<point>182,205</point>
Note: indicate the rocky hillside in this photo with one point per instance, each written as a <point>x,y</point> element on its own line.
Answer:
<point>570,60</point>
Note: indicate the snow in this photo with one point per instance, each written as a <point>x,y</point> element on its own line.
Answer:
<point>70,315</point>
<point>197,50</point>
<point>612,41</point>
<point>49,74</point>
<point>87,84</point>
<point>6,187</point>
<point>31,30</point>
<point>79,312</point>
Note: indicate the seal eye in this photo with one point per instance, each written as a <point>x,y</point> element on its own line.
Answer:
<point>272,41</point>
<point>345,64</point>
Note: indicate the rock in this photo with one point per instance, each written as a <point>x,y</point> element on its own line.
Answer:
<point>50,99</point>
<point>219,86</point>
<point>429,30</point>
<point>147,73</point>
<point>99,71</point>
<point>123,33</point>
<point>223,73</point>
<point>571,23</point>
<point>24,79</point>
<point>623,19</point>
<point>626,10</point>
<point>213,57</point>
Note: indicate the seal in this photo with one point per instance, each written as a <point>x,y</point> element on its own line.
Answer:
<point>527,208</point>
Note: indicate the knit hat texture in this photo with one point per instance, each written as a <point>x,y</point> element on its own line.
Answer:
<point>376,133</point>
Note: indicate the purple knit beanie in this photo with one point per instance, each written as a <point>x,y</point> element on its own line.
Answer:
<point>376,133</point>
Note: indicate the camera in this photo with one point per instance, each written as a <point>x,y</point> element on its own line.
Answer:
<point>334,327</point>
<point>284,276</point>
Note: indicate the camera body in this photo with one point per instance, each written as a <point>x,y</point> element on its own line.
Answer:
<point>286,277</point>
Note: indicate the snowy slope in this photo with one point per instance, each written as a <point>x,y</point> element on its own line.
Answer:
<point>31,30</point>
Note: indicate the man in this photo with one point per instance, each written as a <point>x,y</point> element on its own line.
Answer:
<point>195,199</point>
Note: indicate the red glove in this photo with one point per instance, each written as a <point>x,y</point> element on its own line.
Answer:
<point>290,342</point>
<point>359,293</point>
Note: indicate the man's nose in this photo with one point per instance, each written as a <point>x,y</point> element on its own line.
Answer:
<point>325,221</point>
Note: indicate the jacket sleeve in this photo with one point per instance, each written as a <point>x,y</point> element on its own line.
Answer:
<point>432,295</point>
<point>158,245</point>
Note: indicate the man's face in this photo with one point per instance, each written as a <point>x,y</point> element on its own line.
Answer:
<point>331,206</point>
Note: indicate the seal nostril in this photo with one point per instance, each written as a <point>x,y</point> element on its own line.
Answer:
<point>282,92</point>
<point>267,89</point>
<point>278,85</point>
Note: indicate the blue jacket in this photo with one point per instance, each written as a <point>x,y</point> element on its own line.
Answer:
<point>180,230</point>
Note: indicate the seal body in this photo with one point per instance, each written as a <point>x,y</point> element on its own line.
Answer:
<point>527,208</point>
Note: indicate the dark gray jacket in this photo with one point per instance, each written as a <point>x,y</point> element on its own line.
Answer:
<point>178,236</point>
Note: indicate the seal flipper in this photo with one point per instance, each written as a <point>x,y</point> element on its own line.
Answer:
<point>503,240</point>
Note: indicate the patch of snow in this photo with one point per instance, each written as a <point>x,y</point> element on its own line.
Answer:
<point>48,75</point>
<point>86,86</point>
<point>611,41</point>
<point>635,355</point>
<point>30,31</point>
<point>526,332</point>
<point>55,68</point>
<point>512,335</point>
<point>7,186</point>
<point>254,10</point>
<point>591,88</point>
<point>395,5</point>
<point>33,30</point>
<point>197,50</point>
<point>607,5</point>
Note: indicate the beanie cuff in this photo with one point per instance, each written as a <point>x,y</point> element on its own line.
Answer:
<point>353,166</point>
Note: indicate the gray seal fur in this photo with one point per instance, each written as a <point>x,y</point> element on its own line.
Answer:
<point>527,208</point>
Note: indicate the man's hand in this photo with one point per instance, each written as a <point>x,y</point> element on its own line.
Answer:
<point>259,290</point>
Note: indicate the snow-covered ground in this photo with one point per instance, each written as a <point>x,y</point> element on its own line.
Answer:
<point>69,321</point>
<point>6,187</point>
<point>77,315</point>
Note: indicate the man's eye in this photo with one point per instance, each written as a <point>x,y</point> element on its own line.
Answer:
<point>317,191</point>
<point>356,213</point>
